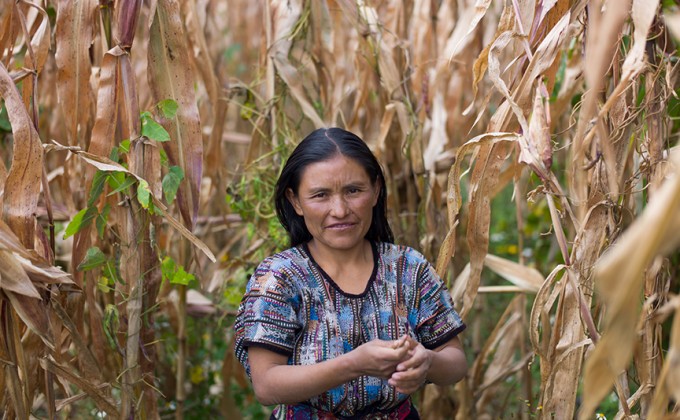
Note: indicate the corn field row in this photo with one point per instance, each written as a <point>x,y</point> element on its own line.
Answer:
<point>529,148</point>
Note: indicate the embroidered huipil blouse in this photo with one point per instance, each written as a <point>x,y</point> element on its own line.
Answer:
<point>292,307</point>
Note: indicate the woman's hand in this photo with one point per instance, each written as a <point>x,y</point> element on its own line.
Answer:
<point>444,365</point>
<point>411,374</point>
<point>379,358</point>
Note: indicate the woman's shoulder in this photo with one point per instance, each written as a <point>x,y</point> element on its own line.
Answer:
<point>283,263</point>
<point>287,257</point>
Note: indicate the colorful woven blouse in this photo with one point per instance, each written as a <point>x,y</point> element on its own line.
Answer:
<point>292,307</point>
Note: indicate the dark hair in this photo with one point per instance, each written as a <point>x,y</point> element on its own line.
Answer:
<point>321,145</point>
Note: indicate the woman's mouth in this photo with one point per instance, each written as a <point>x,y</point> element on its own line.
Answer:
<point>340,226</point>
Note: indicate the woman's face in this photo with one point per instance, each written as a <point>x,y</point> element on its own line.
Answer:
<point>336,200</point>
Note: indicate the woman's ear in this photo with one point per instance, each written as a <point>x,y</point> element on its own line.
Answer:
<point>294,201</point>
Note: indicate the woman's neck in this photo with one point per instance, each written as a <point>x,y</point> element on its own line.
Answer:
<point>336,263</point>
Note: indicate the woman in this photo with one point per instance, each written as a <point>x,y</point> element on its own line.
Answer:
<point>344,324</point>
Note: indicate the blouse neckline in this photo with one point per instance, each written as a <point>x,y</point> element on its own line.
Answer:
<point>329,279</point>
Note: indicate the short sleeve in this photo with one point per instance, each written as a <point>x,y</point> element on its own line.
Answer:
<point>438,322</point>
<point>267,315</point>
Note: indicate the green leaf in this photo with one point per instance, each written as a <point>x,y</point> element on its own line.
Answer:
<point>168,108</point>
<point>119,181</point>
<point>175,273</point>
<point>152,130</point>
<point>97,187</point>
<point>101,220</point>
<point>168,268</point>
<point>125,146</point>
<point>164,157</point>
<point>81,220</point>
<point>182,277</point>
<point>143,193</point>
<point>4,120</point>
<point>111,325</point>
<point>93,258</point>
<point>171,182</point>
<point>110,272</point>
<point>115,154</point>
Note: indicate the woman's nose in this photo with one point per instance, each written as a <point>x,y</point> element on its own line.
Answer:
<point>339,207</point>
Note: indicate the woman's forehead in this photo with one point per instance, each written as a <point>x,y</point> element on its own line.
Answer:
<point>336,169</point>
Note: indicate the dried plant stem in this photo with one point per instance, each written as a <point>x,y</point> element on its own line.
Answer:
<point>10,363</point>
<point>49,395</point>
<point>181,351</point>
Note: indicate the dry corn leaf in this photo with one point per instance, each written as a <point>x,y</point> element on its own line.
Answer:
<point>14,385</point>
<point>40,40</point>
<point>669,380</point>
<point>285,16</point>
<point>437,140</point>
<point>171,77</point>
<point>22,187</point>
<point>94,390</point>
<point>13,277</point>
<point>539,321</point>
<point>526,278</point>
<point>494,339</point>
<point>446,250</point>
<point>75,32</point>
<point>202,56</point>
<point>565,351</point>
<point>643,13</point>
<point>550,15</point>
<point>601,45</point>
<point>9,20</point>
<point>469,19</point>
<point>33,312</point>
<point>479,68</point>
<point>619,279</point>
<point>539,144</point>
<point>384,43</point>
<point>482,182</point>
<point>453,198</point>
<point>503,361</point>
<point>90,367</point>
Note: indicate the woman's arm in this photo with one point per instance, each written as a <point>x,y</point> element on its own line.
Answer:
<point>444,365</point>
<point>276,382</point>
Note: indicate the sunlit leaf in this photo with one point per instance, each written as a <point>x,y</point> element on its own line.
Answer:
<point>81,220</point>
<point>97,187</point>
<point>125,146</point>
<point>143,193</point>
<point>168,268</point>
<point>152,130</point>
<point>182,277</point>
<point>168,108</point>
<point>120,182</point>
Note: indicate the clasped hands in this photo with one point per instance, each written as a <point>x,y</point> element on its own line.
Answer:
<point>404,362</point>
